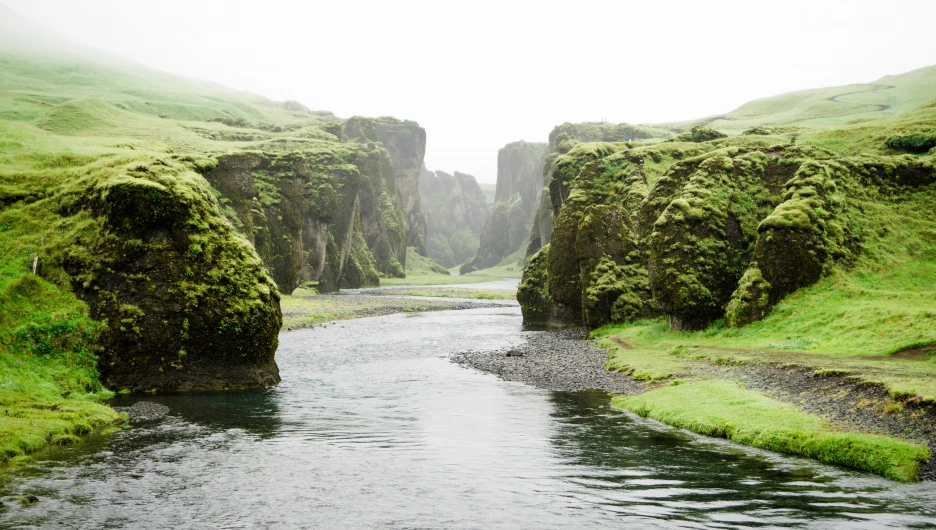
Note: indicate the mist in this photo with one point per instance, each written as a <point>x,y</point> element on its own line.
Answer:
<point>481,74</point>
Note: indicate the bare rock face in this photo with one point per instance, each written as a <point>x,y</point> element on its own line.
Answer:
<point>519,185</point>
<point>455,210</point>
<point>405,141</point>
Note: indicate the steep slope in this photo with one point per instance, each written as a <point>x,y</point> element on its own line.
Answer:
<point>405,141</point>
<point>455,210</point>
<point>519,184</point>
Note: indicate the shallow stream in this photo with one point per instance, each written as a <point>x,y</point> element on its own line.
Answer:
<point>373,427</point>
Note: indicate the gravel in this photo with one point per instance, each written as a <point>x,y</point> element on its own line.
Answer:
<point>552,360</point>
<point>144,411</point>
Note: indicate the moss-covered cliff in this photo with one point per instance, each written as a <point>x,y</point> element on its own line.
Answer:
<point>519,184</point>
<point>702,231</point>
<point>405,141</point>
<point>561,140</point>
<point>455,210</point>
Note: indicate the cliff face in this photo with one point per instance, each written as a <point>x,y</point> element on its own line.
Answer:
<point>382,218</point>
<point>455,210</point>
<point>696,232</point>
<point>405,141</point>
<point>298,209</point>
<point>519,184</point>
<point>561,140</point>
<point>329,212</point>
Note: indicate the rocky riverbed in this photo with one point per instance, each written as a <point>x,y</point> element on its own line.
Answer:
<point>553,360</point>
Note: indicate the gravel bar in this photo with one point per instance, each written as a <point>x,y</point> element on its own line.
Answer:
<point>552,360</point>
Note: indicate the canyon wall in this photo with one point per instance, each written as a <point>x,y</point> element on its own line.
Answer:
<point>455,210</point>
<point>519,185</point>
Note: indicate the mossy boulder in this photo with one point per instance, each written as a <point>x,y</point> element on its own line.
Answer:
<point>702,242</point>
<point>700,134</point>
<point>613,274</point>
<point>186,302</point>
<point>533,293</point>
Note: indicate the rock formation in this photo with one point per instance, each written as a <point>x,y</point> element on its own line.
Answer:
<point>696,232</point>
<point>186,303</point>
<point>561,140</point>
<point>455,210</point>
<point>519,184</point>
<point>405,141</point>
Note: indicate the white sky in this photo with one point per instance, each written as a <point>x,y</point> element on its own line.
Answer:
<point>481,74</point>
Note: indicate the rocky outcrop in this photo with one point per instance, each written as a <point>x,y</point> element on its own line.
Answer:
<point>561,140</point>
<point>382,219</point>
<point>297,209</point>
<point>519,185</point>
<point>455,210</point>
<point>185,302</point>
<point>405,141</point>
<point>315,211</point>
<point>696,232</point>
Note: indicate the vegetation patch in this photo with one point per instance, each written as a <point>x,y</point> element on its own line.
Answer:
<point>724,409</point>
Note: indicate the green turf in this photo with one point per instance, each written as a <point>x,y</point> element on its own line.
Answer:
<point>724,409</point>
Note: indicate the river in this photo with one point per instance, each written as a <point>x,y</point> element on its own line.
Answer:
<point>373,427</point>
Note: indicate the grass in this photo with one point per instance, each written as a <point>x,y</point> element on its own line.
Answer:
<point>49,389</point>
<point>481,294</point>
<point>724,409</point>
<point>813,108</point>
<point>420,275</point>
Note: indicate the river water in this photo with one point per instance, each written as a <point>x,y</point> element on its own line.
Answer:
<point>373,427</point>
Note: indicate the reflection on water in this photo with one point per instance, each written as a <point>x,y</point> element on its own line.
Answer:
<point>374,428</point>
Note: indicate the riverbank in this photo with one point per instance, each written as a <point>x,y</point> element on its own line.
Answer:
<point>828,414</point>
<point>306,309</point>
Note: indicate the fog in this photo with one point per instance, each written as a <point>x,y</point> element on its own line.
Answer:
<point>480,74</point>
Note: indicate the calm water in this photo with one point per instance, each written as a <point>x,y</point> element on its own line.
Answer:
<point>373,427</point>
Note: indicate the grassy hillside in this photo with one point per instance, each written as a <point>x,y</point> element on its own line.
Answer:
<point>889,96</point>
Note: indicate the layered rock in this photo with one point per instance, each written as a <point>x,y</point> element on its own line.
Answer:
<point>455,210</point>
<point>405,141</point>
<point>519,185</point>
<point>696,232</point>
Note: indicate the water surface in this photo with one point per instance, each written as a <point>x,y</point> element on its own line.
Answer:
<point>373,427</point>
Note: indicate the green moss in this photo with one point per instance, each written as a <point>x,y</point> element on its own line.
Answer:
<point>723,409</point>
<point>699,134</point>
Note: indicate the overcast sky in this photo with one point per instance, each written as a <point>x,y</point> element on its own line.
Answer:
<point>478,75</point>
